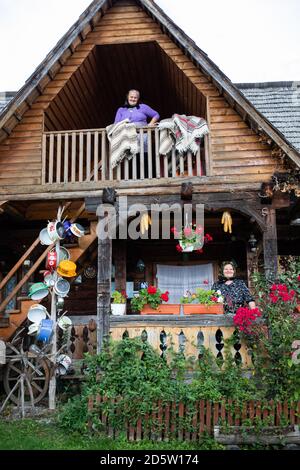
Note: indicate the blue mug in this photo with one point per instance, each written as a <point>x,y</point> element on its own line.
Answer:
<point>45,331</point>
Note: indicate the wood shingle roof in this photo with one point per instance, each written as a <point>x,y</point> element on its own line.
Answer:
<point>279,102</point>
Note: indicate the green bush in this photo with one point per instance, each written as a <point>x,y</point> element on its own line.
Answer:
<point>132,372</point>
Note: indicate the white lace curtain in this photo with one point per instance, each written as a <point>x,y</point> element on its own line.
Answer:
<point>178,279</point>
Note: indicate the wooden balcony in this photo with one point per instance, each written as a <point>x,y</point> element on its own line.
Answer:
<point>79,156</point>
<point>186,334</point>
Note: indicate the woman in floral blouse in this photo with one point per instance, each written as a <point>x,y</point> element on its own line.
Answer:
<point>234,291</point>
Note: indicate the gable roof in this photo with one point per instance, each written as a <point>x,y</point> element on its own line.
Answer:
<point>86,22</point>
<point>279,102</point>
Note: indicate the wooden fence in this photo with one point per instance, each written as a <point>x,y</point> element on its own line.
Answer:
<point>178,421</point>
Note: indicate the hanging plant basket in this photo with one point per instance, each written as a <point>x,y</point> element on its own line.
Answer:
<point>187,248</point>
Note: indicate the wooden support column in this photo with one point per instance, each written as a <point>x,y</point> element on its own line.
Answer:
<point>252,266</point>
<point>120,247</point>
<point>270,244</point>
<point>103,284</point>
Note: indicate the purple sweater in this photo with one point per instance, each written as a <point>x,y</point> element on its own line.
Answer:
<point>136,115</point>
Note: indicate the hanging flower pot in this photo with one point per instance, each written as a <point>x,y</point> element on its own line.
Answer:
<point>186,247</point>
<point>191,238</point>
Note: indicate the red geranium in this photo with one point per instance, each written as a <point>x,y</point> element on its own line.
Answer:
<point>152,290</point>
<point>165,296</point>
<point>208,238</point>
<point>280,292</point>
<point>244,319</point>
<point>123,292</point>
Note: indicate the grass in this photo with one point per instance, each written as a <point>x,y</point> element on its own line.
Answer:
<point>29,434</point>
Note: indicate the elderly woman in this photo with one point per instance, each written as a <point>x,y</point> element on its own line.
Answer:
<point>137,113</point>
<point>235,292</point>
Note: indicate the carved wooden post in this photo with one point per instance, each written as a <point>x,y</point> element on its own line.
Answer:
<point>105,219</point>
<point>270,244</point>
<point>252,266</point>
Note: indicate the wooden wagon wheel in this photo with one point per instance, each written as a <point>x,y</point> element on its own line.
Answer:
<point>35,375</point>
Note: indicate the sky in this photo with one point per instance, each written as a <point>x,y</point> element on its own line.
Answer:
<point>249,40</point>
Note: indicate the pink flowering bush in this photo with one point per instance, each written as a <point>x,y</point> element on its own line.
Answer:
<point>270,339</point>
<point>245,318</point>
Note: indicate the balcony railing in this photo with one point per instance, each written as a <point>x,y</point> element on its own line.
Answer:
<point>84,155</point>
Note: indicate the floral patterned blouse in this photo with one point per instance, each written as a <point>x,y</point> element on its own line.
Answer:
<point>235,294</point>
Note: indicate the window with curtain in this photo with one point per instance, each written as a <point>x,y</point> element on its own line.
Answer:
<point>178,279</point>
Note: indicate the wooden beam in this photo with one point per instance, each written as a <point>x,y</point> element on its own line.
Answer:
<point>270,244</point>
<point>167,185</point>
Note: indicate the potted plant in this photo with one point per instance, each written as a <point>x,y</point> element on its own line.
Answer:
<point>118,306</point>
<point>202,301</point>
<point>191,238</point>
<point>149,301</point>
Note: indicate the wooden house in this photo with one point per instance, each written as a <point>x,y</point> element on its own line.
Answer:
<point>54,150</point>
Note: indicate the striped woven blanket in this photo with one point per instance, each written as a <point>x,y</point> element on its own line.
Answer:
<point>182,131</point>
<point>123,141</point>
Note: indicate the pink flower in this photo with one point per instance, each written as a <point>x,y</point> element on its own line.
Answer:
<point>165,296</point>
<point>298,278</point>
<point>174,230</point>
<point>187,231</point>
<point>214,299</point>
<point>199,230</point>
<point>179,248</point>
<point>206,282</point>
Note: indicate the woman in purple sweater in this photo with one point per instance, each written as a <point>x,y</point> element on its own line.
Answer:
<point>136,112</point>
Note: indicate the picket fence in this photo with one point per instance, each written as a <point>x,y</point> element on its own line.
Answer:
<point>168,421</point>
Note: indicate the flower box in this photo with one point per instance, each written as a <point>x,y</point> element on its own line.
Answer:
<point>202,309</point>
<point>167,309</point>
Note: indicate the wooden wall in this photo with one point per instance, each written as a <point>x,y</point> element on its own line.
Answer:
<point>235,148</point>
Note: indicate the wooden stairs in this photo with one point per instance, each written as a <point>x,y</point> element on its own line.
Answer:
<point>10,321</point>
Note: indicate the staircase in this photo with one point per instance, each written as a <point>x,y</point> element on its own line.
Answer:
<point>11,320</point>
